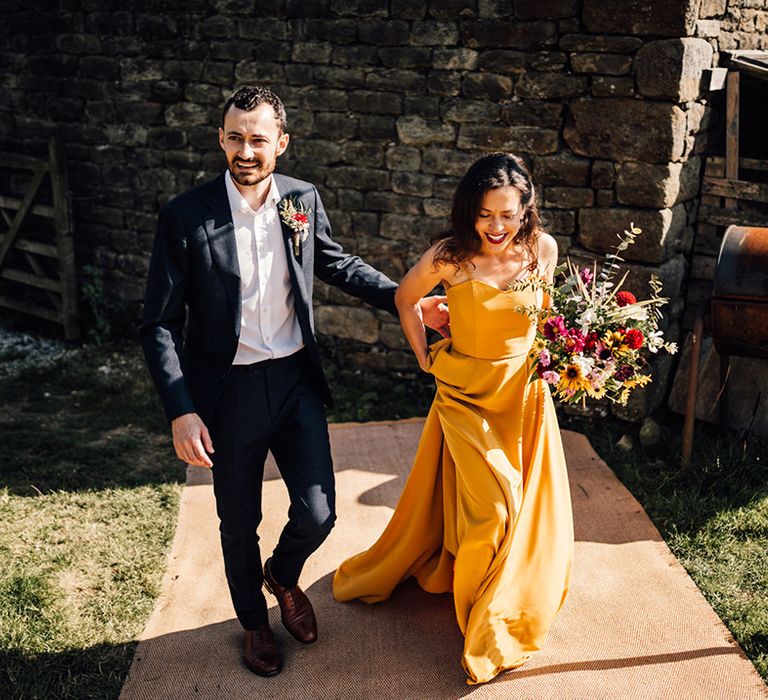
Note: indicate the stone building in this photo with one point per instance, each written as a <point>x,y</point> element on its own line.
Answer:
<point>388,101</point>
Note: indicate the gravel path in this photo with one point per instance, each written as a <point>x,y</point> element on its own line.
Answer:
<point>19,351</point>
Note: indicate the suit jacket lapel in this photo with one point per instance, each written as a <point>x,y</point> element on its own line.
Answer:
<point>294,263</point>
<point>221,239</point>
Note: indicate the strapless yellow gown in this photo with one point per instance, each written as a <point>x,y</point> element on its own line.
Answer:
<point>486,510</point>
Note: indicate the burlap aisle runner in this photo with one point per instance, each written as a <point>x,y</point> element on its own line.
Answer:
<point>634,626</point>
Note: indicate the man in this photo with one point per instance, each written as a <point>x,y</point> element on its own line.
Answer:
<point>235,257</point>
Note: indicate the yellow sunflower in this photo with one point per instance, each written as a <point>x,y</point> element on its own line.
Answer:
<point>596,392</point>
<point>572,379</point>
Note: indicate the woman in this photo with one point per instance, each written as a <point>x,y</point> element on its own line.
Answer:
<point>486,510</point>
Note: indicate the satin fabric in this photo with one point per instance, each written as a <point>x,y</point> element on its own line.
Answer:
<point>486,510</point>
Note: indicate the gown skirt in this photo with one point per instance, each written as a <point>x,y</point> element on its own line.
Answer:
<point>486,510</point>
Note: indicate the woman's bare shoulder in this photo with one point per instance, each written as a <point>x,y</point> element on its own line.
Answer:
<point>547,246</point>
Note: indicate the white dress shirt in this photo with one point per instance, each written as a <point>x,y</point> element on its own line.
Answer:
<point>268,324</point>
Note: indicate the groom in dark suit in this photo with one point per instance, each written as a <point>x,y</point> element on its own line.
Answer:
<point>236,258</point>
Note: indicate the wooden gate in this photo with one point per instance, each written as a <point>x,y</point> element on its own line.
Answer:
<point>37,259</point>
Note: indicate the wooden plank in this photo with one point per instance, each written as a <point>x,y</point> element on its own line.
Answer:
<point>9,273</point>
<point>732,131</point>
<point>698,291</point>
<point>14,160</point>
<point>744,163</point>
<point>20,214</point>
<point>715,166</point>
<point>726,217</point>
<point>34,247</point>
<point>29,308</point>
<point>45,210</point>
<point>64,241</point>
<point>735,189</point>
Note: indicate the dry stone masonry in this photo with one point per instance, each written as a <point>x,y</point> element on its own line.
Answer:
<point>388,102</point>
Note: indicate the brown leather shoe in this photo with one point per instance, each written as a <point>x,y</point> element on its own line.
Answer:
<point>262,655</point>
<point>295,609</point>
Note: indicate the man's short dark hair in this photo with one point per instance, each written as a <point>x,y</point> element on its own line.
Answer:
<point>249,97</point>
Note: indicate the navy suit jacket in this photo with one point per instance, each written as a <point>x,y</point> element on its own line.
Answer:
<point>194,277</point>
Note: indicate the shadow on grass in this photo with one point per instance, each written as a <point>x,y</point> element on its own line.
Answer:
<point>95,672</point>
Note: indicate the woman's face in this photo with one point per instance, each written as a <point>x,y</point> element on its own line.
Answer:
<point>498,220</point>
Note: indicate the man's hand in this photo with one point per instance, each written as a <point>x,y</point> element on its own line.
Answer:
<point>434,313</point>
<point>191,440</point>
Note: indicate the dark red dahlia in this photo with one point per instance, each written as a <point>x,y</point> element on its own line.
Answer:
<point>623,373</point>
<point>623,298</point>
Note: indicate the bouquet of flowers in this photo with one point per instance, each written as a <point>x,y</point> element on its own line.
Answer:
<point>592,340</point>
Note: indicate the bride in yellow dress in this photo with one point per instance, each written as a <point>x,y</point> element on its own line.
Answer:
<point>486,510</point>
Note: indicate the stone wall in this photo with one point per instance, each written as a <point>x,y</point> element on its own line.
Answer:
<point>388,103</point>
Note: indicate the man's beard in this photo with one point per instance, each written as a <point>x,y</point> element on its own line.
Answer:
<point>247,177</point>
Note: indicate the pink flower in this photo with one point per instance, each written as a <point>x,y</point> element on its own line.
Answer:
<point>553,327</point>
<point>586,275</point>
<point>545,359</point>
<point>574,341</point>
<point>550,377</point>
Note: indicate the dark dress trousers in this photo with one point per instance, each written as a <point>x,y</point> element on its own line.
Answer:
<point>275,405</point>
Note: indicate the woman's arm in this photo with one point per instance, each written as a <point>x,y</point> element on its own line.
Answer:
<point>423,277</point>
<point>547,262</point>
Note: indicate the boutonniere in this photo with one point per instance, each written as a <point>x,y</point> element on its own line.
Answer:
<point>295,215</point>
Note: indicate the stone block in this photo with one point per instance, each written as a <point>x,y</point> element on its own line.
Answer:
<point>215,27</point>
<point>340,77</point>
<point>403,158</point>
<point>472,111</point>
<point>592,42</point>
<point>452,9</point>
<point>358,178</point>
<point>415,130</point>
<point>548,61</point>
<point>362,153</point>
<point>495,33</point>
<point>546,9</point>
<point>165,138</point>
<point>393,337</point>
<point>429,33</point>
<point>342,126</point>
<point>603,174</point>
<point>605,198</point>
<point>707,28</point>
<point>347,322</point>
<point>446,83</point>
<point>662,231</point>
<point>427,107</point>
<point>445,187</point>
<point>392,202</point>
<point>447,161</point>
<point>182,70</point>
<point>568,197</point>
<point>261,27</point>
<point>606,63</point>
<point>65,109</point>
<point>454,59</point>
<point>319,151</point>
<point>438,208</point>
<point>524,139</point>
<point>377,127</point>
<point>359,8</point>
<point>612,86</point>
<point>396,79</point>
<point>356,55</point>
<point>658,185</point>
<point>401,227</point>
<point>376,102</point>
<point>502,61</point>
<point>312,52</point>
<point>712,8</point>
<point>645,400</point>
<point>672,68</point>
<point>406,9</point>
<point>340,31</point>
<point>548,115</point>
<point>547,86</point>
<point>640,17</point>
<point>411,183</point>
<point>299,74</point>
<point>406,57</point>
<point>487,86</point>
<point>558,222</point>
<point>259,72</point>
<point>99,67</point>
<point>384,32</point>
<point>186,114</point>
<point>561,169</point>
<point>623,129</point>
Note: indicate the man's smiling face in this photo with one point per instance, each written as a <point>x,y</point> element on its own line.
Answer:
<point>252,141</point>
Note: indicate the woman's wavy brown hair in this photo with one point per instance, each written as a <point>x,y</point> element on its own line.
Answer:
<point>490,172</point>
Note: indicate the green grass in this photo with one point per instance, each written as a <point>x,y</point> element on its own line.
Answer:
<point>88,501</point>
<point>713,516</point>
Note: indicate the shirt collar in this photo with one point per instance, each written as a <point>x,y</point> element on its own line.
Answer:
<point>238,203</point>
